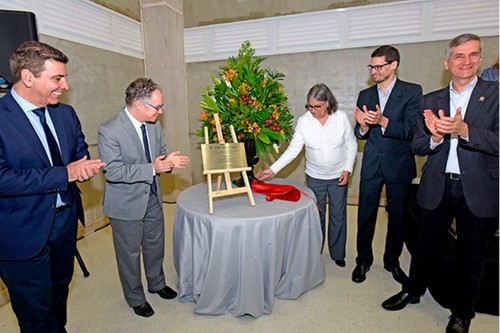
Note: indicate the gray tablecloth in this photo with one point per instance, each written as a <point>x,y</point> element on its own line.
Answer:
<point>238,259</point>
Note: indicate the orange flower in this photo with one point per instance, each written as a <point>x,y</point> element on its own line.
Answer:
<point>243,88</point>
<point>276,114</point>
<point>230,74</point>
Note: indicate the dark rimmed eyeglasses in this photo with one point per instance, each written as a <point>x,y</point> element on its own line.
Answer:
<point>310,107</point>
<point>378,68</point>
<point>156,107</point>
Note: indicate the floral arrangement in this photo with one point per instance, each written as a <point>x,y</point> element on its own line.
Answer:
<point>251,99</point>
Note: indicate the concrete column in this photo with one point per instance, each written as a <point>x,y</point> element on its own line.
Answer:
<point>163,29</point>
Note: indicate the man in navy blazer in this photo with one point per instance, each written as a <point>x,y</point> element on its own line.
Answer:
<point>458,132</point>
<point>39,199</point>
<point>386,115</point>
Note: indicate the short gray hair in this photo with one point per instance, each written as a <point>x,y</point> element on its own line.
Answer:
<point>461,39</point>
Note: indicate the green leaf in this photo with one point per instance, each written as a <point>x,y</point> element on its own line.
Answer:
<point>264,138</point>
<point>209,103</point>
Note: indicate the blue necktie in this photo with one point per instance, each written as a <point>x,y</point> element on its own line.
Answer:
<point>55,153</point>
<point>148,155</point>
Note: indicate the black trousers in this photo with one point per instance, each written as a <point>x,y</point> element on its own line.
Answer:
<point>397,201</point>
<point>39,286</point>
<point>473,236</point>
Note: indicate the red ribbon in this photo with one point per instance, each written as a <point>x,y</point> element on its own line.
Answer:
<point>276,191</point>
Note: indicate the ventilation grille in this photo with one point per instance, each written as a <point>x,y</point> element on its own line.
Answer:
<point>84,22</point>
<point>395,22</point>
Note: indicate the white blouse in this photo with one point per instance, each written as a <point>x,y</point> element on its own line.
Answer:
<point>330,148</point>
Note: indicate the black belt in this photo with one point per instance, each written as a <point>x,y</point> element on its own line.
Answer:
<point>452,176</point>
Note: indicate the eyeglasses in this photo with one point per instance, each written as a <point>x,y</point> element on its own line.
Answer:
<point>156,107</point>
<point>378,68</point>
<point>314,107</point>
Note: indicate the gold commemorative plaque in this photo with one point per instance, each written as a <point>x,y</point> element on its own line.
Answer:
<point>225,156</point>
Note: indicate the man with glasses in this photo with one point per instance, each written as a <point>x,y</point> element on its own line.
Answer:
<point>386,114</point>
<point>132,144</point>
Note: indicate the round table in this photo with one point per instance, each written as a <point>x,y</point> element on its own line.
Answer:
<point>241,257</point>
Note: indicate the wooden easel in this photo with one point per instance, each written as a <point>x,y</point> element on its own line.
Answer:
<point>226,172</point>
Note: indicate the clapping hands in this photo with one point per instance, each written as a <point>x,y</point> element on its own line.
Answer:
<point>83,169</point>
<point>166,163</point>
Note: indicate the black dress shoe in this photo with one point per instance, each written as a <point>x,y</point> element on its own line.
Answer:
<point>144,310</point>
<point>340,263</point>
<point>166,293</point>
<point>400,301</point>
<point>458,325</point>
<point>359,273</point>
<point>398,274</point>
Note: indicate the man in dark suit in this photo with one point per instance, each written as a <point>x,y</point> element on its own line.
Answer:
<point>458,131</point>
<point>42,155</point>
<point>132,145</point>
<point>386,114</point>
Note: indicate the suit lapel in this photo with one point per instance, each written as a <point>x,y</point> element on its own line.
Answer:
<point>129,130</point>
<point>373,96</point>
<point>394,99</point>
<point>475,101</point>
<point>443,102</point>
<point>21,122</point>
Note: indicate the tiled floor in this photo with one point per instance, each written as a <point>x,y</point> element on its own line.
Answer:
<point>96,303</point>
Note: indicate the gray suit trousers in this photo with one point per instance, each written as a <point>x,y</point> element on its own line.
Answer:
<point>129,237</point>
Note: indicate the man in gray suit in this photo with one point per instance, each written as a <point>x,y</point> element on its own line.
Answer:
<point>133,147</point>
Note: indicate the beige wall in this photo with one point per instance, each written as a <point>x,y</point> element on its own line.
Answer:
<point>205,12</point>
<point>130,8</point>
<point>199,13</point>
